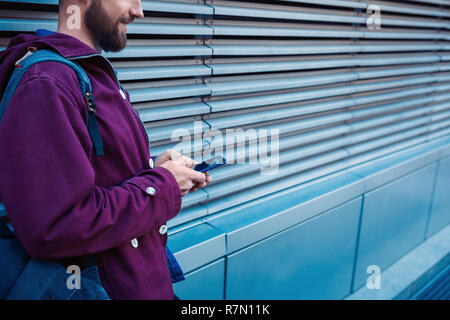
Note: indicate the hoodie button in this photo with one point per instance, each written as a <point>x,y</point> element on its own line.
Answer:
<point>151,164</point>
<point>163,229</point>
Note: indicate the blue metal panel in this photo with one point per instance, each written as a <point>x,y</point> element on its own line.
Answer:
<point>385,141</point>
<point>396,71</point>
<point>393,221</point>
<point>440,210</point>
<point>55,2</point>
<point>269,182</point>
<point>271,187</point>
<point>382,108</point>
<point>186,215</point>
<point>303,32</point>
<point>284,32</point>
<point>393,95</point>
<point>273,214</point>
<point>374,61</point>
<point>415,23</point>
<point>169,112</point>
<point>304,109</point>
<point>162,6</point>
<point>401,47</point>
<point>334,3</point>
<point>230,68</point>
<point>280,113</point>
<point>206,283</point>
<point>381,153</point>
<point>400,35</point>
<point>150,94</point>
<point>312,149</point>
<point>310,137</point>
<point>179,29</point>
<point>257,50</point>
<point>254,85</point>
<point>396,83</point>
<point>279,14</point>
<point>310,261</point>
<point>437,288</point>
<point>393,117</point>
<point>410,10</point>
<point>138,73</point>
<point>193,198</point>
<point>197,246</point>
<point>381,171</point>
<point>160,51</point>
<point>27,25</point>
<point>165,132</point>
<point>373,133</point>
<point>248,102</point>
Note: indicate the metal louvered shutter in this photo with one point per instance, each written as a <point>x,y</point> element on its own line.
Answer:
<point>338,93</point>
<point>437,288</point>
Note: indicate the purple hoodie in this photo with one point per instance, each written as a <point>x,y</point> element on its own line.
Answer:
<point>64,201</point>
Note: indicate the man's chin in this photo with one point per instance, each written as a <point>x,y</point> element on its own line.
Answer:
<point>116,47</point>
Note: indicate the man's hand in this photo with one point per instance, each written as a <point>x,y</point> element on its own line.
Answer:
<point>207,180</point>
<point>173,155</point>
<point>187,178</point>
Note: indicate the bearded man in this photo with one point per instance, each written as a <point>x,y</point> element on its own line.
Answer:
<point>63,200</point>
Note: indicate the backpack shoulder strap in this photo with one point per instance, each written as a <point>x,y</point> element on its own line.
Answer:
<point>31,58</point>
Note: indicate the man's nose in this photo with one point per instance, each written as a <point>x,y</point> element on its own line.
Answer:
<point>136,9</point>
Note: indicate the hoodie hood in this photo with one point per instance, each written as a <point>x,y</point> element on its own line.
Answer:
<point>65,45</point>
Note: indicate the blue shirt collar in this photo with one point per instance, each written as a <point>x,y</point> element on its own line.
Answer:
<point>43,32</point>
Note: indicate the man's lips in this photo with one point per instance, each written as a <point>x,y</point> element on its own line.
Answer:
<point>125,22</point>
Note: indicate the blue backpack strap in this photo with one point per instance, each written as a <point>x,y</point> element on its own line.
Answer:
<point>175,271</point>
<point>23,65</point>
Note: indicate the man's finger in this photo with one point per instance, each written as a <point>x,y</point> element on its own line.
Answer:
<point>175,155</point>
<point>178,162</point>
<point>208,177</point>
<point>188,161</point>
<point>197,177</point>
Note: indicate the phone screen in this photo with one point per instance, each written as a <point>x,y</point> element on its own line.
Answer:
<point>210,164</point>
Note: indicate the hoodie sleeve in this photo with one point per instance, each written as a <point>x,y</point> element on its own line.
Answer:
<point>47,182</point>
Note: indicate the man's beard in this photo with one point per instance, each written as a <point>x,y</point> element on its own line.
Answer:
<point>106,33</point>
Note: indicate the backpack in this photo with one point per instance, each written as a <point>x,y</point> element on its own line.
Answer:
<point>23,277</point>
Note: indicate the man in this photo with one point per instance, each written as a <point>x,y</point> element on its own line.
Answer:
<point>63,200</point>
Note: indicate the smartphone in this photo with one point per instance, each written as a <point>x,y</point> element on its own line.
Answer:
<point>210,164</point>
